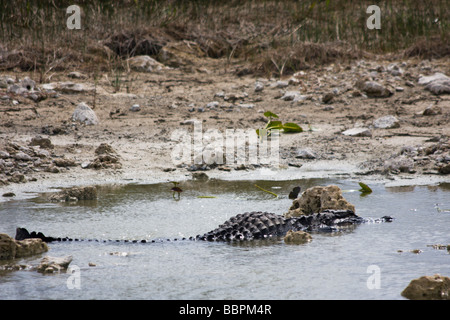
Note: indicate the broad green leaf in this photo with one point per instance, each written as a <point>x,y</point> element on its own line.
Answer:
<point>269,114</point>
<point>274,125</point>
<point>292,127</point>
<point>364,188</point>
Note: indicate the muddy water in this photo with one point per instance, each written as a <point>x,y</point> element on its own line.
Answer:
<point>363,263</point>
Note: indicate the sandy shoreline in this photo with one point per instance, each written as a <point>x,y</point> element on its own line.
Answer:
<point>143,140</point>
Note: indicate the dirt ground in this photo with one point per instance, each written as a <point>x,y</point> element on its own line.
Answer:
<point>168,98</point>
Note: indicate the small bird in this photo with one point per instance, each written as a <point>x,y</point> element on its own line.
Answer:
<point>294,193</point>
<point>176,189</point>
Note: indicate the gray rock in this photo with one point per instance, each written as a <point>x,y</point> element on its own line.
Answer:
<point>213,104</point>
<point>438,76</point>
<point>401,163</point>
<point>439,87</point>
<point>246,105</point>
<point>305,154</point>
<point>259,86</point>
<point>374,89</point>
<point>4,154</point>
<point>22,156</point>
<point>16,89</point>
<point>290,95</point>
<point>85,115</point>
<point>387,122</point>
<point>135,108</point>
<point>68,87</point>
<point>281,84</point>
<point>28,84</point>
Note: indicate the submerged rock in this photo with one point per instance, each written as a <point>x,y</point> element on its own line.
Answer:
<point>297,237</point>
<point>54,264</point>
<point>75,194</point>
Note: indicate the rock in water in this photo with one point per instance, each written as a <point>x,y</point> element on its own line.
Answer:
<point>84,114</point>
<point>435,287</point>
<point>12,249</point>
<point>318,199</point>
<point>54,264</point>
<point>297,237</point>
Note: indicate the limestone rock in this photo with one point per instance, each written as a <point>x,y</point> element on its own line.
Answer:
<point>64,162</point>
<point>145,64</point>
<point>318,199</point>
<point>85,115</point>
<point>401,163</point>
<point>297,237</point>
<point>374,89</point>
<point>437,83</point>
<point>41,142</point>
<point>68,87</point>
<point>54,264</point>
<point>11,248</point>
<point>305,154</point>
<point>358,132</point>
<point>259,86</point>
<point>290,95</point>
<point>75,193</point>
<point>435,287</point>
<point>387,122</point>
<point>29,247</point>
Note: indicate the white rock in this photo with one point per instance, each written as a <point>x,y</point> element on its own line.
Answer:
<point>259,86</point>
<point>28,84</point>
<point>305,154</point>
<point>135,108</point>
<point>435,77</point>
<point>290,95</point>
<point>22,156</point>
<point>387,122</point>
<point>84,114</point>
<point>68,87</point>
<point>358,132</point>
<point>281,84</point>
<point>213,104</point>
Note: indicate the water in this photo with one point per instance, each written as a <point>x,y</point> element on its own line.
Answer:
<point>363,263</point>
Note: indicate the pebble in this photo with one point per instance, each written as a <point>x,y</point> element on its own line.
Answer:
<point>135,108</point>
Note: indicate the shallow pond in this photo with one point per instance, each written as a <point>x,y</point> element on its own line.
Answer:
<point>362,263</point>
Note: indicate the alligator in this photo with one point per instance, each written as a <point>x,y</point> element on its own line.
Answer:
<point>251,226</point>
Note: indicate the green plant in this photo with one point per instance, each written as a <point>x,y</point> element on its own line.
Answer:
<point>288,127</point>
<point>365,189</point>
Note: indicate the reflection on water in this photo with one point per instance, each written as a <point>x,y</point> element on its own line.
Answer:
<point>332,266</point>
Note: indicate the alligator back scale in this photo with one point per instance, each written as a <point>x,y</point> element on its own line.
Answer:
<point>248,226</point>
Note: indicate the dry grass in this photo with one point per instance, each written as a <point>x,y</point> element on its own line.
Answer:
<point>274,37</point>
